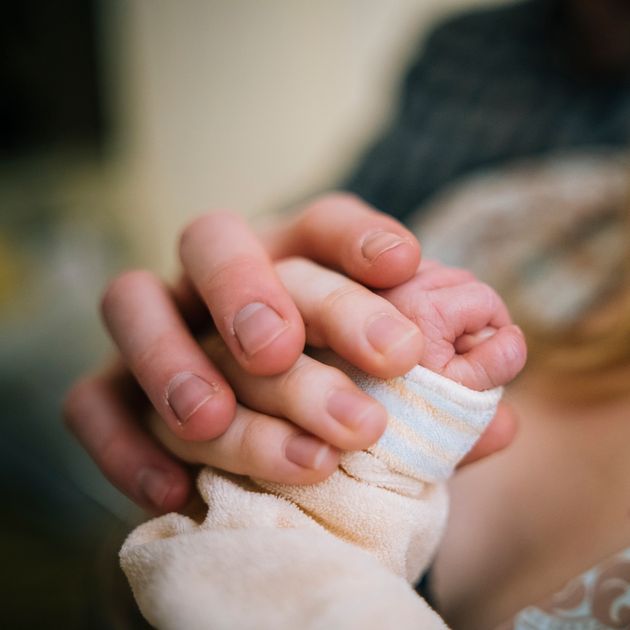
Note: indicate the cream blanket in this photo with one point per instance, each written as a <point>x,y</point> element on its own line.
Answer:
<point>339,554</point>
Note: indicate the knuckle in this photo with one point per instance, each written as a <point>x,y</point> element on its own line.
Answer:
<point>155,355</point>
<point>294,266</point>
<point>413,301</point>
<point>199,225</point>
<point>303,372</point>
<point>123,285</point>
<point>487,297</point>
<point>253,439</point>
<point>433,314</point>
<point>332,200</point>
<point>490,294</point>
<point>337,300</point>
<point>326,204</point>
<point>238,270</point>
<point>189,232</point>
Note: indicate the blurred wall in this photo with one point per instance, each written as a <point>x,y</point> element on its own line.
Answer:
<point>250,105</point>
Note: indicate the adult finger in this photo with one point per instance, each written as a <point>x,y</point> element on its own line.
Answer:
<point>362,327</point>
<point>342,232</point>
<point>185,388</point>
<point>234,276</point>
<point>100,416</point>
<point>259,446</point>
<point>315,397</point>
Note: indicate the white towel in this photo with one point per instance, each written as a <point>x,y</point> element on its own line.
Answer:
<point>338,554</point>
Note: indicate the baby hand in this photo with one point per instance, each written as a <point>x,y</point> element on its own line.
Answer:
<point>459,328</point>
<point>468,334</point>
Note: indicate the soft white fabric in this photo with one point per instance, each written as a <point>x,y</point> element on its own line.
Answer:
<point>338,554</point>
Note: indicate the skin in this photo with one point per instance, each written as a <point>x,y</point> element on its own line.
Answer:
<point>226,270</point>
<point>519,532</point>
<point>467,336</point>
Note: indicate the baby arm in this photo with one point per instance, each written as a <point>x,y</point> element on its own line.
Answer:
<point>268,555</point>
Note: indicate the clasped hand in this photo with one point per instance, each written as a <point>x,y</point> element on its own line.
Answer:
<point>338,275</point>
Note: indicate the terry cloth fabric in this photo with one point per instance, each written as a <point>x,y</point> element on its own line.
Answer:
<point>338,554</point>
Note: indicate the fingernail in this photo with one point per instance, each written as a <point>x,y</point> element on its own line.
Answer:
<point>306,451</point>
<point>378,243</point>
<point>354,410</point>
<point>256,326</point>
<point>485,333</point>
<point>387,333</point>
<point>465,343</point>
<point>187,392</point>
<point>155,485</point>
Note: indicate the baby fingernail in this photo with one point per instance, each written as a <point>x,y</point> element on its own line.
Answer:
<point>256,326</point>
<point>306,451</point>
<point>486,333</point>
<point>354,410</point>
<point>186,393</point>
<point>387,333</point>
<point>378,243</point>
<point>154,485</point>
<point>465,343</point>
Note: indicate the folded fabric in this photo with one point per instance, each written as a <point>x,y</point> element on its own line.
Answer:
<point>338,554</point>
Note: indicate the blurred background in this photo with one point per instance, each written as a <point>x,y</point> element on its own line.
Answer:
<point>119,121</point>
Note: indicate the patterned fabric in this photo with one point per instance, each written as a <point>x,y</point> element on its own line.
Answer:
<point>433,422</point>
<point>489,86</point>
<point>596,600</point>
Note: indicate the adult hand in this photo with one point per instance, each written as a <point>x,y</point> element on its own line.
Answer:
<point>468,336</point>
<point>228,271</point>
